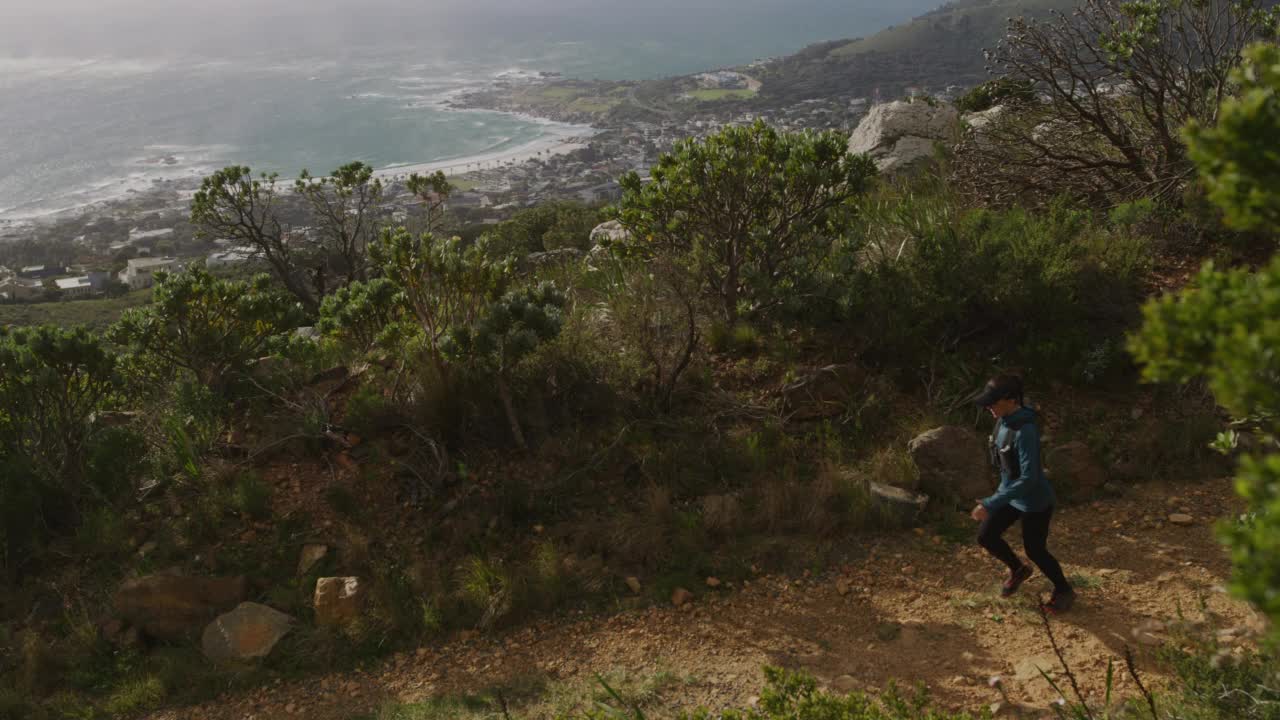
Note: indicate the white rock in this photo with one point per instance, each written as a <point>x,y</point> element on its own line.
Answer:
<point>900,134</point>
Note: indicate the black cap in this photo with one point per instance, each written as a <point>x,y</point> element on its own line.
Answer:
<point>997,389</point>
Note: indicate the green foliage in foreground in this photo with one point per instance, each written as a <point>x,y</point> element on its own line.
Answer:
<point>1226,325</point>
<point>795,696</point>
<point>1238,158</point>
<point>52,381</point>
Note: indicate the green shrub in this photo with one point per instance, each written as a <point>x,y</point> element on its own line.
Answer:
<point>52,381</point>
<point>209,326</point>
<point>996,92</point>
<point>745,213</point>
<point>358,314</point>
<point>548,226</point>
<point>1041,290</point>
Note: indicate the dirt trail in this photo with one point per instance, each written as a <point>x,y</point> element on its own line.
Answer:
<point>915,609</point>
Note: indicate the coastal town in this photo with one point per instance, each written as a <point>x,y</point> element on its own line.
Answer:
<point>115,246</point>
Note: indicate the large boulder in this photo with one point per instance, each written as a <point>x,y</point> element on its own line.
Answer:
<point>246,633</point>
<point>1074,470</point>
<point>953,463</point>
<point>607,233</point>
<point>172,607</point>
<point>338,601</point>
<point>898,136</point>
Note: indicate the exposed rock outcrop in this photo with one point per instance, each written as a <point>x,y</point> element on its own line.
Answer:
<point>608,232</point>
<point>899,136</point>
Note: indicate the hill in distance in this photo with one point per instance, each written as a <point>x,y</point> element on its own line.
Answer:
<point>942,47</point>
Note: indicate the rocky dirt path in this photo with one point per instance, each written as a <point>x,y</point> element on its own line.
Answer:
<point>918,608</point>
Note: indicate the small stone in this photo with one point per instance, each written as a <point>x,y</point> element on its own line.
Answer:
<point>1181,519</point>
<point>845,684</point>
<point>842,586</point>
<point>338,601</point>
<point>633,582</point>
<point>681,597</point>
<point>250,631</point>
<point>291,708</point>
<point>713,582</point>
<point>1148,632</point>
<point>1102,551</point>
<point>311,555</point>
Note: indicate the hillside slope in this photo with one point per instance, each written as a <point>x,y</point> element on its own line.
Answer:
<point>940,48</point>
<point>906,607</point>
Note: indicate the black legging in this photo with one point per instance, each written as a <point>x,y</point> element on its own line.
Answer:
<point>1035,538</point>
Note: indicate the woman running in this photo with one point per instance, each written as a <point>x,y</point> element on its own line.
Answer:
<point>1024,493</point>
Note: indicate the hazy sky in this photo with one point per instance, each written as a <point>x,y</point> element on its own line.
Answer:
<point>222,27</point>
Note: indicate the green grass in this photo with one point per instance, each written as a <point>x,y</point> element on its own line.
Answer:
<point>715,95</point>
<point>519,696</point>
<point>95,314</point>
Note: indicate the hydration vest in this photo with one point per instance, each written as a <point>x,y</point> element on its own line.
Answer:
<point>1006,459</point>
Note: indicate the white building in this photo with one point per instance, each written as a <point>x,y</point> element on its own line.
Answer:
<point>141,271</point>
<point>75,287</point>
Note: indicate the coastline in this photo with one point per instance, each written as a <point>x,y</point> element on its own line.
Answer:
<point>563,139</point>
<point>558,139</point>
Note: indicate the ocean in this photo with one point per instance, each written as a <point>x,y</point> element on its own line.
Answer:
<point>76,130</point>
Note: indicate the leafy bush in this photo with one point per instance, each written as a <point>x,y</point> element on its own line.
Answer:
<point>549,226</point>
<point>1038,289</point>
<point>211,327</point>
<point>52,381</point>
<point>996,92</point>
<point>1242,180</point>
<point>447,287</point>
<point>358,314</point>
<point>1223,326</point>
<point>509,331</point>
<point>747,213</point>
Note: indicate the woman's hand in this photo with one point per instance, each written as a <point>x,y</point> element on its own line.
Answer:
<point>979,513</point>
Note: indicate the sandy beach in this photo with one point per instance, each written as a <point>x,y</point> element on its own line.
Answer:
<point>559,140</point>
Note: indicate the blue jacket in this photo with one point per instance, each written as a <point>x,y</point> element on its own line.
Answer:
<point>1017,453</point>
